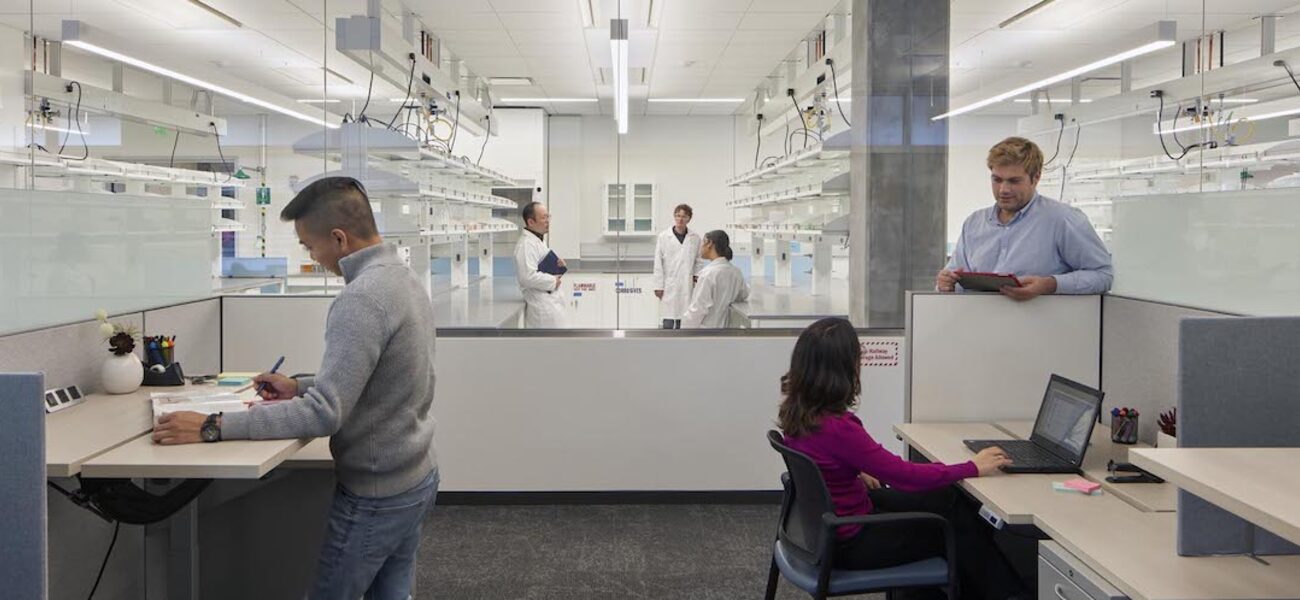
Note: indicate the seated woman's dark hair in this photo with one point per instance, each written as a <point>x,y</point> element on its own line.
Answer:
<point>824,376</point>
<point>721,243</point>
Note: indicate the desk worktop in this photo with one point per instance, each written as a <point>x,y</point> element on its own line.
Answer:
<point>1256,484</point>
<point>103,422</point>
<point>1134,550</point>
<point>1147,497</point>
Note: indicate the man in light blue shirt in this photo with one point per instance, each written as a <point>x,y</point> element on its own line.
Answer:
<point>1049,246</point>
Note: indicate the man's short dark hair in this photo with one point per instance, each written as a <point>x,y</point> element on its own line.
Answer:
<point>686,208</point>
<point>529,211</point>
<point>333,203</point>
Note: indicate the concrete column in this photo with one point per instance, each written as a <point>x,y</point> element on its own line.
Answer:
<point>782,278</point>
<point>485,255</point>
<point>898,156</point>
<point>757,259</point>
<point>821,275</point>
<point>460,262</point>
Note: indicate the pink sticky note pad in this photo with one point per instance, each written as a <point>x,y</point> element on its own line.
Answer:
<point>1082,485</point>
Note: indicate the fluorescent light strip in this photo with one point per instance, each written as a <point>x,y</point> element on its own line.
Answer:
<point>698,100</point>
<point>194,81</point>
<point>619,50</point>
<point>60,129</point>
<point>545,100</point>
<point>1027,101</point>
<point>1203,125</point>
<point>319,101</point>
<point>1042,83</point>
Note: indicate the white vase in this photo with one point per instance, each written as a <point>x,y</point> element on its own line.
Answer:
<point>121,374</point>
<point>1164,440</point>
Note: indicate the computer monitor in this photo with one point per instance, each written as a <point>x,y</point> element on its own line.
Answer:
<point>1066,418</point>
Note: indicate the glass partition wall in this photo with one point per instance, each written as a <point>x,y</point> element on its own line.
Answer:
<point>146,161</point>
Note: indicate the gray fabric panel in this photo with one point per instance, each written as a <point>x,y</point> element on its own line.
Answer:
<point>22,485</point>
<point>197,327</point>
<point>68,355</point>
<point>1236,389</point>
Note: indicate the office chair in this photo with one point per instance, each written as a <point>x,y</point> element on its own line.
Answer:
<point>804,552</point>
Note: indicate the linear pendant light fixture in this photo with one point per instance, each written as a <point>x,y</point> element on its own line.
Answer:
<point>618,50</point>
<point>1158,36</point>
<point>74,34</point>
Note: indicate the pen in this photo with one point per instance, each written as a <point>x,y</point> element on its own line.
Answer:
<point>262,386</point>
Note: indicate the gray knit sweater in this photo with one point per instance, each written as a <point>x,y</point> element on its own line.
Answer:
<point>374,390</point>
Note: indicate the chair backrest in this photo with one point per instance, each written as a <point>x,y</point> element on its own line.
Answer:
<point>806,499</point>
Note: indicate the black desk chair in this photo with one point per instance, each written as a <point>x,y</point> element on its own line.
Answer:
<point>804,552</point>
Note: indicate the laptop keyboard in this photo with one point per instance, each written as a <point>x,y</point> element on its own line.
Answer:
<point>1025,455</point>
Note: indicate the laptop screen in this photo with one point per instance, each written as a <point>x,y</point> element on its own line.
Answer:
<point>1066,417</point>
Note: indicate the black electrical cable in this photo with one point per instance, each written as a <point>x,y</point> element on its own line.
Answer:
<point>1282,63</point>
<point>361,116</point>
<point>455,126</point>
<point>1078,132</point>
<point>1060,133</point>
<point>227,166</point>
<point>1174,133</point>
<point>758,138</point>
<point>410,79</point>
<point>487,135</point>
<point>76,117</point>
<point>116,528</point>
<point>171,162</point>
<point>787,135</point>
<point>802,123</point>
<point>835,85</point>
<point>1160,133</point>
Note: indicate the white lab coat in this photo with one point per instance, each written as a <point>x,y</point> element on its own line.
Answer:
<point>676,264</point>
<point>720,285</point>
<point>543,305</point>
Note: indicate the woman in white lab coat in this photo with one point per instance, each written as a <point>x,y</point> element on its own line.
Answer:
<point>677,261</point>
<point>543,305</point>
<point>721,284</point>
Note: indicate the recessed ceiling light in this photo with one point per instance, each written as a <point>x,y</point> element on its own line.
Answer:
<point>699,100</point>
<point>510,81</point>
<point>546,100</point>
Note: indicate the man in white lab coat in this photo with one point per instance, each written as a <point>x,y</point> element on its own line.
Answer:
<point>721,284</point>
<point>543,306</point>
<point>677,262</point>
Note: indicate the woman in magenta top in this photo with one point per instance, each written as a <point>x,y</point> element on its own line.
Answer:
<point>821,391</point>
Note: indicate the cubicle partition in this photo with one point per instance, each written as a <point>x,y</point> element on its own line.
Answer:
<point>985,357</point>
<point>23,521</point>
<point>588,411</point>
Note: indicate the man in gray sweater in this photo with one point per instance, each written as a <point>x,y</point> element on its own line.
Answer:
<point>372,396</point>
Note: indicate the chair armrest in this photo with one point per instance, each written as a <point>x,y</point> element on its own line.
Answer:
<point>836,521</point>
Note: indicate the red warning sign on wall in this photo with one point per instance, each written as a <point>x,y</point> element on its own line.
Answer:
<point>880,354</point>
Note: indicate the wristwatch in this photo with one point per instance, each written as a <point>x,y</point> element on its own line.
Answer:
<point>211,429</point>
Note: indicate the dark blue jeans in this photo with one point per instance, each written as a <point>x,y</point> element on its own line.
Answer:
<point>370,544</point>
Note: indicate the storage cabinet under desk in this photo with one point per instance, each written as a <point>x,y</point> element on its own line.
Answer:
<point>1061,576</point>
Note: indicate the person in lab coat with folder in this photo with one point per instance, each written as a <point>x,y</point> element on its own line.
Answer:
<point>721,284</point>
<point>543,305</point>
<point>677,262</point>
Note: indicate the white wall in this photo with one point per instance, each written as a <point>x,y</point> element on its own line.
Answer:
<point>688,158</point>
<point>518,149</point>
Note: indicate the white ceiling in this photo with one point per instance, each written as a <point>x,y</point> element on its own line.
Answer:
<point>697,48</point>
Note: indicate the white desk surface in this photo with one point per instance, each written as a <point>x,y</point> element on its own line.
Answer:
<point>1256,484</point>
<point>242,459</point>
<point>1147,497</point>
<point>1134,550</point>
<point>315,455</point>
<point>103,422</point>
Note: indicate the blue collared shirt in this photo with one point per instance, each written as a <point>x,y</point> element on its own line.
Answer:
<point>1045,238</point>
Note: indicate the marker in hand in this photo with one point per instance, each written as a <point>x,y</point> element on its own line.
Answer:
<point>262,386</point>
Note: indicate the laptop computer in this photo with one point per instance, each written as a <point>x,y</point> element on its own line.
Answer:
<point>1061,431</point>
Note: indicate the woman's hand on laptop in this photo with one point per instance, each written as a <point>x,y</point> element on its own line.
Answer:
<point>990,459</point>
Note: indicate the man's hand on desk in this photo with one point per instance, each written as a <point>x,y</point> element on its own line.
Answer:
<point>1031,287</point>
<point>989,460</point>
<point>179,428</point>
<point>278,387</point>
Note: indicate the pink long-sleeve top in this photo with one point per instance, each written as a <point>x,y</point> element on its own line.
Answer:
<point>842,449</point>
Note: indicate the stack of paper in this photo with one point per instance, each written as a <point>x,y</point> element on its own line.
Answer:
<point>200,401</point>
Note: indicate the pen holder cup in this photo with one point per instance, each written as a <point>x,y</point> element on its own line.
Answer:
<point>172,375</point>
<point>1123,429</point>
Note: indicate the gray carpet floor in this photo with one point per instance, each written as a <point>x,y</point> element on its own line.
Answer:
<point>565,552</point>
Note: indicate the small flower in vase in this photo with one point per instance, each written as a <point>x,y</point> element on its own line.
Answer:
<point>121,338</point>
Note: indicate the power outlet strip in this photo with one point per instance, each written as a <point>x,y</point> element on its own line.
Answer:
<point>990,518</point>
<point>61,398</point>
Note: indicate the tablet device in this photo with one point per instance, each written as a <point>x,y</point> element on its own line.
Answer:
<point>986,282</point>
<point>551,265</point>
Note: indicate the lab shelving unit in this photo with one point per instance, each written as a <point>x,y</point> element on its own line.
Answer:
<point>424,199</point>
<point>801,198</point>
